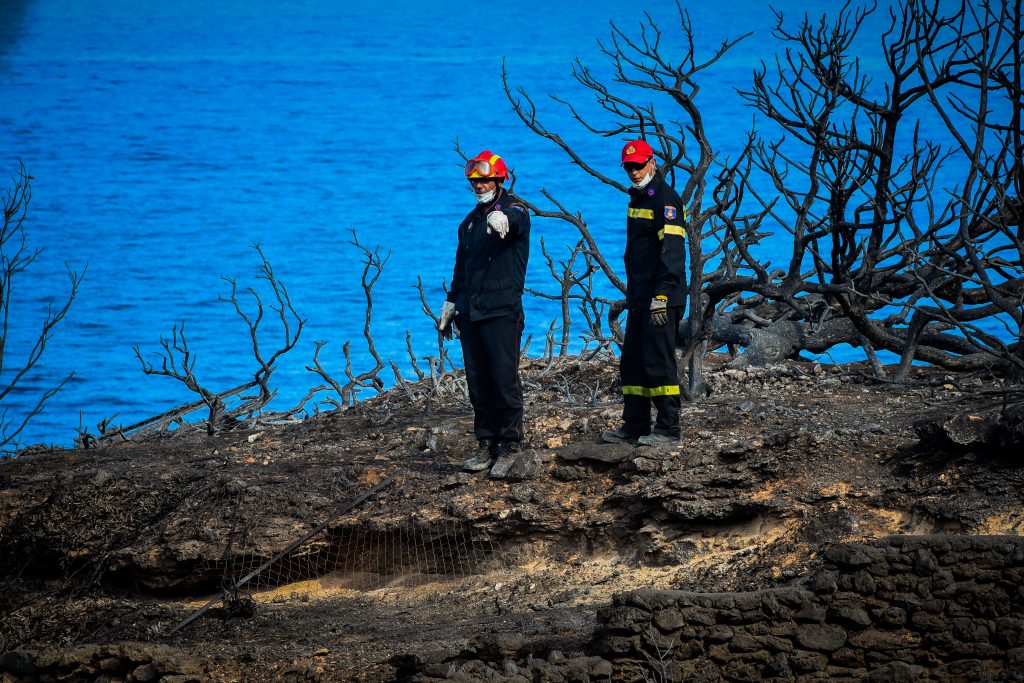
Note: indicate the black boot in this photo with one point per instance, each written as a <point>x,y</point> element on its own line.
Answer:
<point>482,459</point>
<point>658,439</point>
<point>507,453</point>
<point>620,435</point>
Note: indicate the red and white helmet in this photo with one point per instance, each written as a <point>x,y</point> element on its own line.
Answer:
<point>486,164</point>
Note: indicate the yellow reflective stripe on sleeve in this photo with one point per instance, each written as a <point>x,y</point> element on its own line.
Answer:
<point>641,213</point>
<point>670,390</point>
<point>671,230</point>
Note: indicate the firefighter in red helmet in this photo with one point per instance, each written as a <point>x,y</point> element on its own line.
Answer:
<point>655,262</point>
<point>485,303</point>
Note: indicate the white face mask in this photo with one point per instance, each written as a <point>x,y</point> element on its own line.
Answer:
<point>486,197</point>
<point>643,183</point>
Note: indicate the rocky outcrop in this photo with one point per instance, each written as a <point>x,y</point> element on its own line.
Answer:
<point>139,662</point>
<point>996,432</point>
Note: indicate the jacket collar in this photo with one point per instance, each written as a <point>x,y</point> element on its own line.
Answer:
<point>498,198</point>
<point>651,188</point>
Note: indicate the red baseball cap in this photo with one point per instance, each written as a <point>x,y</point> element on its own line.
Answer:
<point>637,152</point>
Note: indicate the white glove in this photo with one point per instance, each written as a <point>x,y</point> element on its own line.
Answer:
<point>497,222</point>
<point>444,325</point>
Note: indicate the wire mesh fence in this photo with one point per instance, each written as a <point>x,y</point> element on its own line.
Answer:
<point>353,532</point>
<point>364,548</point>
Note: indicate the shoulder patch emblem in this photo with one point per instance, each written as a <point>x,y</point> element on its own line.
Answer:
<point>670,212</point>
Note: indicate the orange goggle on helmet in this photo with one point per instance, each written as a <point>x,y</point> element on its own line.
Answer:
<point>486,165</point>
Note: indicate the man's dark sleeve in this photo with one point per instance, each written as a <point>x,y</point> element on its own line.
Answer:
<point>460,269</point>
<point>670,220</point>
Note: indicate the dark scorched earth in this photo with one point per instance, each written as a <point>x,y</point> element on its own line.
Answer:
<point>815,523</point>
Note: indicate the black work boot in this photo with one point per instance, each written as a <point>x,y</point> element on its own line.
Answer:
<point>482,459</point>
<point>619,435</point>
<point>507,452</point>
<point>658,439</point>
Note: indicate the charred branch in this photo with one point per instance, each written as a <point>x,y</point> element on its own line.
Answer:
<point>287,316</point>
<point>373,265</point>
<point>178,360</point>
<point>16,257</point>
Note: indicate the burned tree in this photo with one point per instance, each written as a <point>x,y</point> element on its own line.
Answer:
<point>914,240</point>
<point>373,265</point>
<point>899,240</point>
<point>575,285</point>
<point>178,361</point>
<point>16,257</point>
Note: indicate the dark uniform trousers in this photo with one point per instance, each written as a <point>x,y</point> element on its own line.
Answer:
<point>649,373</point>
<point>490,351</point>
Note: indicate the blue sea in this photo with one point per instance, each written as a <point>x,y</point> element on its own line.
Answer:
<point>166,139</point>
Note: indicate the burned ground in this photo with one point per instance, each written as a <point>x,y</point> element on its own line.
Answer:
<point>106,551</point>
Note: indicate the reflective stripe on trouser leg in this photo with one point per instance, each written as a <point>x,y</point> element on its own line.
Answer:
<point>490,351</point>
<point>662,371</point>
<point>649,373</point>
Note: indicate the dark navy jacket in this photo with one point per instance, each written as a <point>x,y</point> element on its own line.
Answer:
<point>490,272</point>
<point>655,245</point>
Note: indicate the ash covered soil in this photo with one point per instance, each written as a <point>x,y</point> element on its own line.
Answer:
<point>105,552</point>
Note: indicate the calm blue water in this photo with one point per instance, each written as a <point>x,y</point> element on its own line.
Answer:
<point>166,138</point>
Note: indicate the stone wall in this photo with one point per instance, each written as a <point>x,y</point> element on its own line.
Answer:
<point>947,608</point>
<point>128,662</point>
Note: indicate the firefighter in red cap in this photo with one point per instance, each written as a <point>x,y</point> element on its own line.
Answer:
<point>485,303</point>
<point>656,297</point>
